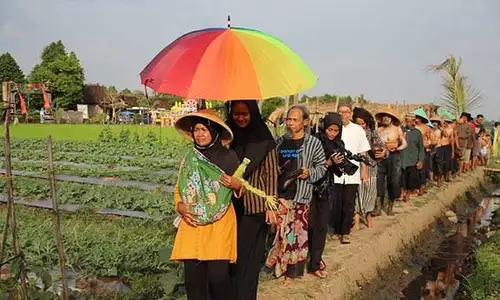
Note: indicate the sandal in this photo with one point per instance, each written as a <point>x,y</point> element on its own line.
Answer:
<point>345,239</point>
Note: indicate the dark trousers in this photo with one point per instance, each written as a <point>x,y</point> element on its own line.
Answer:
<point>344,200</point>
<point>389,175</point>
<point>424,173</point>
<point>252,232</point>
<point>318,228</point>
<point>204,278</point>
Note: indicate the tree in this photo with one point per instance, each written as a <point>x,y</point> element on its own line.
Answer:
<point>126,91</point>
<point>10,70</point>
<point>64,72</point>
<point>458,96</point>
<point>114,102</point>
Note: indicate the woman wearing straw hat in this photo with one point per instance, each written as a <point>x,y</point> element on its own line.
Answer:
<point>389,170</point>
<point>206,236</point>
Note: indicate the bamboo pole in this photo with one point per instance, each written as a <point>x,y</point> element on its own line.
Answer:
<point>337,99</point>
<point>287,103</point>
<point>296,99</point>
<point>5,91</point>
<point>10,201</point>
<point>57,219</point>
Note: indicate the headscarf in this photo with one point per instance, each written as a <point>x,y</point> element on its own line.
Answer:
<point>330,146</point>
<point>215,152</point>
<point>253,142</point>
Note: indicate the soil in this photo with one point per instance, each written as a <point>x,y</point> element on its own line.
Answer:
<point>372,250</point>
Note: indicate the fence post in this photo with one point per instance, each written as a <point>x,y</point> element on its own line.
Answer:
<point>57,219</point>
<point>10,201</point>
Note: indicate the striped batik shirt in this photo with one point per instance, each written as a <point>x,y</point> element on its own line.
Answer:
<point>265,178</point>
<point>312,157</point>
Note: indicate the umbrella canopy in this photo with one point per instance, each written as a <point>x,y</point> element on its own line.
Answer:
<point>227,64</point>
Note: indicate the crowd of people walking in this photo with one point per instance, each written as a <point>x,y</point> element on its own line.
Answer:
<point>327,180</point>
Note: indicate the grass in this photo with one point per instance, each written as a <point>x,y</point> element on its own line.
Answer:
<point>484,284</point>
<point>86,132</point>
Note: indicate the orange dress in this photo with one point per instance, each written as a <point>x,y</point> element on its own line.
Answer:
<point>215,241</point>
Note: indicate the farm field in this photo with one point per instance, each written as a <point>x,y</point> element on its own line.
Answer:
<point>86,132</point>
<point>100,167</point>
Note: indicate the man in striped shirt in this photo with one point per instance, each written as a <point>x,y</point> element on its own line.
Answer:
<point>301,161</point>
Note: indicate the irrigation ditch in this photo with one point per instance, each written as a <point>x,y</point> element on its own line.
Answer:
<point>382,262</point>
<point>438,262</point>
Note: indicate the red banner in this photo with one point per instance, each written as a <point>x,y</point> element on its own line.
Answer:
<point>46,103</point>
<point>21,102</point>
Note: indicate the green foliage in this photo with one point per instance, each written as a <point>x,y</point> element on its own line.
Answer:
<point>124,137</point>
<point>101,246</point>
<point>102,151</point>
<point>9,69</point>
<point>98,118</point>
<point>95,196</point>
<point>142,175</point>
<point>484,284</point>
<point>64,72</point>
<point>106,136</point>
<point>458,96</point>
<point>271,105</point>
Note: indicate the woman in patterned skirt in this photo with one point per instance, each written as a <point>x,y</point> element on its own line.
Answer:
<point>365,201</point>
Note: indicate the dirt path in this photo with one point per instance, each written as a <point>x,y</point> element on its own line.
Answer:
<point>349,266</point>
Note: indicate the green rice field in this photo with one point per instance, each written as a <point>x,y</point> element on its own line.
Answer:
<point>86,132</point>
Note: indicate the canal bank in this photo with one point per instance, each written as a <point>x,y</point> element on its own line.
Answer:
<point>372,250</point>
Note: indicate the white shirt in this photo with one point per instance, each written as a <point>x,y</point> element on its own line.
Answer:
<point>354,138</point>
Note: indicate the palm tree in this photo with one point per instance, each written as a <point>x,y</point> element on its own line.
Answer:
<point>458,96</point>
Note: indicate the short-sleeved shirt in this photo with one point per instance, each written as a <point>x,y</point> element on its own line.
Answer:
<point>464,136</point>
<point>354,138</point>
<point>288,156</point>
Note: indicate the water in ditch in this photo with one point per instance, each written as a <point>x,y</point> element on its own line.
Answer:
<point>442,256</point>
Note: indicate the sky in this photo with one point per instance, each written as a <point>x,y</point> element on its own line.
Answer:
<point>379,48</point>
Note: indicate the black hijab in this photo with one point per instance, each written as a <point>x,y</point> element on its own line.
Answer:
<point>253,142</point>
<point>215,152</point>
<point>330,146</point>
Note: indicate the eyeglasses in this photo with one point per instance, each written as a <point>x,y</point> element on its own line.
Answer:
<point>344,112</point>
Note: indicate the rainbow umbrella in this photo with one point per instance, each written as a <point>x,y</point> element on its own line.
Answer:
<point>227,64</point>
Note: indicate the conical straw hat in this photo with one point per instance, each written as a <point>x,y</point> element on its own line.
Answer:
<point>419,112</point>
<point>445,118</point>
<point>436,118</point>
<point>446,113</point>
<point>430,124</point>
<point>185,122</point>
<point>389,112</point>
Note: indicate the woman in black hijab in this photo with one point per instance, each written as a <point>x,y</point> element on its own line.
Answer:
<point>206,245</point>
<point>252,140</point>
<point>329,133</point>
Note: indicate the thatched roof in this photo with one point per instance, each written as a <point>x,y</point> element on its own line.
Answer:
<point>94,94</point>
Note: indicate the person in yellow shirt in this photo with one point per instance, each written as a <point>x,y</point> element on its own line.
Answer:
<point>206,237</point>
